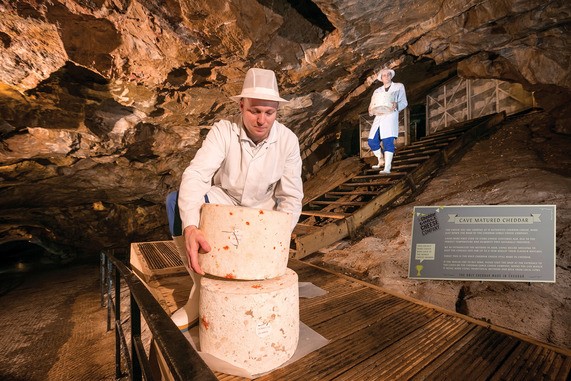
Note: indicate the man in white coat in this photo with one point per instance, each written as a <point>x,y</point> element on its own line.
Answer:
<point>252,161</point>
<point>386,103</point>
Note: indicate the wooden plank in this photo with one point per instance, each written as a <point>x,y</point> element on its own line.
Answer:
<point>374,339</point>
<point>317,213</point>
<point>331,177</point>
<point>377,204</point>
<point>382,181</point>
<point>419,349</point>
<point>491,346</point>
<point>301,229</point>
<point>398,167</point>
<point>534,362</point>
<point>413,159</point>
<point>358,306</point>
<point>343,353</point>
<point>339,229</point>
<point>424,147</point>
<point>352,193</point>
<point>325,236</point>
<point>432,141</point>
<point>445,359</point>
<point>455,359</point>
<point>413,153</point>
<point>372,174</point>
<point>342,203</point>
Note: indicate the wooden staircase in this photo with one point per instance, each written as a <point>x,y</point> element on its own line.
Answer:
<point>340,211</point>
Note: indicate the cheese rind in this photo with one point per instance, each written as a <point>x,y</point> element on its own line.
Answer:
<point>251,324</point>
<point>382,102</point>
<point>245,243</point>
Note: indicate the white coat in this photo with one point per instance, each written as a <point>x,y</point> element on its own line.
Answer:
<point>388,123</point>
<point>229,170</point>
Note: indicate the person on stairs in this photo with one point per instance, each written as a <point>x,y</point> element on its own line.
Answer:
<point>386,103</point>
<point>251,160</point>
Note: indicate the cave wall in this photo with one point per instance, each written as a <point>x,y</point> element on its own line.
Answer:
<point>104,102</point>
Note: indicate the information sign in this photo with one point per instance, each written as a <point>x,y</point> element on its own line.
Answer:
<point>493,243</point>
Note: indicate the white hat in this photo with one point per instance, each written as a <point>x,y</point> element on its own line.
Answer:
<point>384,70</point>
<point>260,84</point>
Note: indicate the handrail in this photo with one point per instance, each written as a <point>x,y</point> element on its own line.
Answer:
<point>182,360</point>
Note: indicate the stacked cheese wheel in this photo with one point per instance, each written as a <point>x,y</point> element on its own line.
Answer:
<point>249,306</point>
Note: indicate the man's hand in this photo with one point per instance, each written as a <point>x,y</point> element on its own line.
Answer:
<point>195,243</point>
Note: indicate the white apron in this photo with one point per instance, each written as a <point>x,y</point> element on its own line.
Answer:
<point>388,124</point>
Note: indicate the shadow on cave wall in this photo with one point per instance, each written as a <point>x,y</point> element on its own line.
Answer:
<point>318,26</point>
<point>51,197</point>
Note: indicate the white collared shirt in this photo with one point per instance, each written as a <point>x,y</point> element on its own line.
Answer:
<point>230,169</point>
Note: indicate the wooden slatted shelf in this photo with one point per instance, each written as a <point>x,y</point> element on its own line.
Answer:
<point>375,334</point>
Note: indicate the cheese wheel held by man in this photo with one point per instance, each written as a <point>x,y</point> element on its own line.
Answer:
<point>246,243</point>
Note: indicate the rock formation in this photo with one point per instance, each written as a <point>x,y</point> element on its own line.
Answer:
<point>104,102</point>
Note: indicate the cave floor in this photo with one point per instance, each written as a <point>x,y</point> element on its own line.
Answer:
<point>52,326</point>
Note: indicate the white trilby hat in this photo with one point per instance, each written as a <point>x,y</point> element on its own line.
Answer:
<point>260,84</point>
<point>386,70</point>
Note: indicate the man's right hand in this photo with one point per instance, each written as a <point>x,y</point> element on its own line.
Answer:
<point>195,242</point>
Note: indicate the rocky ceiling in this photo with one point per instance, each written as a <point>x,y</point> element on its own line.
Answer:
<point>104,102</point>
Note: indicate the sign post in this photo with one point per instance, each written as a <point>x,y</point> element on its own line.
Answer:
<point>484,243</point>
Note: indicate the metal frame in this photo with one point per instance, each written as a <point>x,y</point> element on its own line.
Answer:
<point>182,360</point>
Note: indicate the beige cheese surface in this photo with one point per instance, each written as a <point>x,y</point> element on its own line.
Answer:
<point>251,324</point>
<point>382,102</point>
<point>246,243</point>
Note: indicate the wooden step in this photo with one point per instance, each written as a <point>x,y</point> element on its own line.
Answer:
<point>398,159</point>
<point>317,213</point>
<point>352,193</point>
<point>345,203</point>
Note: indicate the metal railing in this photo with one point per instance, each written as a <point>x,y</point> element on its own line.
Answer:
<point>182,360</point>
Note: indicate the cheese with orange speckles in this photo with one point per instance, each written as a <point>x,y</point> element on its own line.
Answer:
<point>245,243</point>
<point>251,324</point>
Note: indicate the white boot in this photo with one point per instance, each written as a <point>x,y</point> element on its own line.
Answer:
<point>187,315</point>
<point>388,161</point>
<point>377,153</point>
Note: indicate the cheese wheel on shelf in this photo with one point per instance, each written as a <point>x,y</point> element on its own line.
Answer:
<point>253,325</point>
